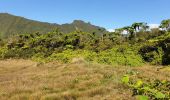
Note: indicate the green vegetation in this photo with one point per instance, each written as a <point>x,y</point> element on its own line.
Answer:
<point>165,24</point>
<point>155,90</point>
<point>11,25</point>
<point>64,47</point>
<point>93,51</point>
<point>139,46</point>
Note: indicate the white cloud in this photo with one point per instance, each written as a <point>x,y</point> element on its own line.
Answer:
<point>153,26</point>
<point>111,30</point>
<point>125,32</point>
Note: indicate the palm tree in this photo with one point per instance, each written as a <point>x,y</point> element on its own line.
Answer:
<point>165,24</point>
<point>136,26</point>
<point>129,30</point>
<point>145,27</point>
<point>140,26</point>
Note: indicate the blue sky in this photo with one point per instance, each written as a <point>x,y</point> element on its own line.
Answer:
<point>106,13</point>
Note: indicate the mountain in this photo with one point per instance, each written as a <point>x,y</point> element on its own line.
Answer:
<point>11,24</point>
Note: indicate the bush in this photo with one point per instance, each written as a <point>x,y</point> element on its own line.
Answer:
<point>115,56</point>
<point>152,54</point>
<point>120,56</point>
<point>153,90</point>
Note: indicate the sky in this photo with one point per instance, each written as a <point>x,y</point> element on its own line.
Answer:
<point>110,14</point>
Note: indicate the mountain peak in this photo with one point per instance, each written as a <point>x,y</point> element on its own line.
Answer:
<point>78,21</point>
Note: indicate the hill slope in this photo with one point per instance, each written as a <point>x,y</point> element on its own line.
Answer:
<point>10,24</point>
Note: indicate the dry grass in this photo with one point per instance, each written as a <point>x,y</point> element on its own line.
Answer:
<point>27,80</point>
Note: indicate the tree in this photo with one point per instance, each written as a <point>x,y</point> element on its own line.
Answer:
<point>136,26</point>
<point>140,26</point>
<point>119,30</point>
<point>165,24</point>
<point>102,30</point>
<point>145,27</point>
<point>129,30</point>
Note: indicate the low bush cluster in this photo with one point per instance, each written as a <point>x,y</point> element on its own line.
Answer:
<point>153,90</point>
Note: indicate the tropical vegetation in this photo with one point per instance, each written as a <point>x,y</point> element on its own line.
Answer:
<point>109,57</point>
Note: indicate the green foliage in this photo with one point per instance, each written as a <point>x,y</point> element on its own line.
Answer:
<point>3,52</point>
<point>112,57</point>
<point>139,83</point>
<point>125,79</point>
<point>65,56</point>
<point>103,49</point>
<point>39,57</point>
<point>152,54</point>
<point>121,55</point>
<point>141,97</point>
<point>160,95</point>
<point>64,47</point>
<point>156,50</point>
<point>10,24</point>
<point>155,90</point>
<point>160,38</point>
<point>165,24</point>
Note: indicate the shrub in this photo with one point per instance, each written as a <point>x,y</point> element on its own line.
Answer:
<point>115,56</point>
<point>154,90</point>
<point>120,56</point>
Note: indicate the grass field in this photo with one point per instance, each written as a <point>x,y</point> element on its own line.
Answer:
<point>28,80</point>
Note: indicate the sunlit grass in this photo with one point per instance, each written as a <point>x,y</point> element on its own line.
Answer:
<point>27,80</point>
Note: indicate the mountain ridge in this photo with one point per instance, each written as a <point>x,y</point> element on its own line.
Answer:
<point>12,24</point>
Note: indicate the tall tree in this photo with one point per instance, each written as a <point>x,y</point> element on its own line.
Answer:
<point>130,30</point>
<point>136,26</point>
<point>140,26</point>
<point>145,27</point>
<point>165,24</point>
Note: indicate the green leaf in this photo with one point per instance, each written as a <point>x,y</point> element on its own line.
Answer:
<point>159,95</point>
<point>164,81</point>
<point>139,83</point>
<point>146,88</point>
<point>141,97</point>
<point>125,79</point>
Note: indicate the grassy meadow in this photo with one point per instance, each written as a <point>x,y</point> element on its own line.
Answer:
<point>28,80</point>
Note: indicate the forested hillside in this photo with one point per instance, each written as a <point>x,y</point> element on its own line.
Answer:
<point>10,24</point>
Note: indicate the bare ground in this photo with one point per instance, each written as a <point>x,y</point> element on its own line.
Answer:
<point>28,80</point>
